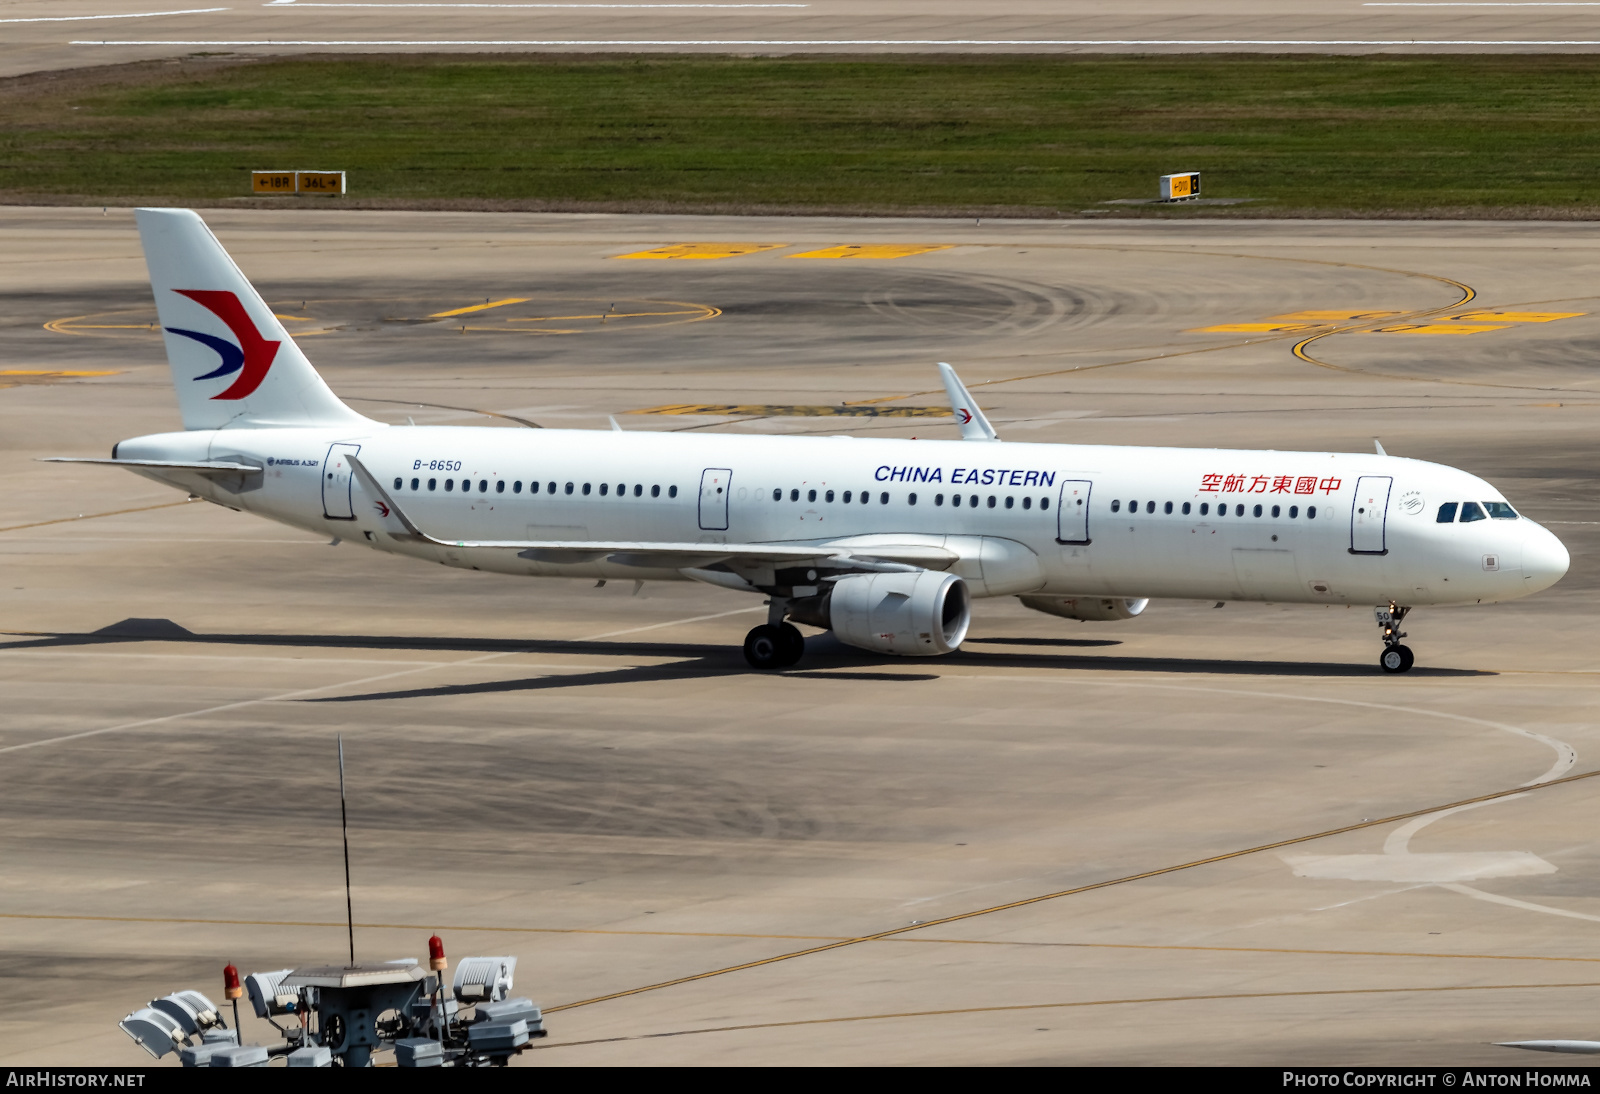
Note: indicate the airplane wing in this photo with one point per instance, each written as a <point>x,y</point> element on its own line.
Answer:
<point>673,556</point>
<point>215,467</point>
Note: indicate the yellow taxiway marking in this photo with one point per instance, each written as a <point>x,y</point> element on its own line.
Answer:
<point>1311,993</point>
<point>1439,328</point>
<point>1513,316</point>
<point>1093,886</point>
<point>92,516</point>
<point>480,307</point>
<point>875,250</point>
<point>703,250</point>
<point>52,373</point>
<point>294,318</point>
<point>1324,316</point>
<point>1256,328</point>
<point>788,411</point>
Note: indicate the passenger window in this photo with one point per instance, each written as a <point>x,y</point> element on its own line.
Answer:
<point>1044,503</point>
<point>1470,512</point>
<point>585,489</point>
<point>1256,511</point>
<point>449,484</point>
<point>638,489</point>
<point>672,491</point>
<point>1133,507</point>
<point>1205,508</point>
<point>1167,508</point>
<point>432,483</point>
<point>1447,512</point>
<point>413,484</point>
<point>604,487</point>
<point>1149,507</point>
<point>847,497</point>
<point>911,499</point>
<point>811,495</point>
<point>1027,503</point>
<point>483,486</point>
<point>938,499</point>
<point>1185,508</point>
<point>1294,511</point>
<point>655,492</point>
<point>828,497</point>
<point>1238,510</point>
<point>1499,510</point>
<point>500,486</point>
<point>972,501</point>
<point>533,487</point>
<point>622,488</point>
<point>1311,512</point>
<point>883,499</point>
<point>1116,506</point>
<point>955,501</point>
<point>794,495</point>
<point>1010,501</point>
<point>516,487</point>
<point>569,488</point>
<point>777,495</point>
<point>397,483</point>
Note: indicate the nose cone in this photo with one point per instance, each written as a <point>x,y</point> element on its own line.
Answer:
<point>1544,558</point>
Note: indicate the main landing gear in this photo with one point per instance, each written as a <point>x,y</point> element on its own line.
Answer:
<point>1395,657</point>
<point>775,644</point>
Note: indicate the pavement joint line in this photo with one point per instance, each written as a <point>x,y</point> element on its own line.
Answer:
<point>92,516</point>
<point>284,696</point>
<point>491,929</point>
<point>1022,1007</point>
<point>1159,871</point>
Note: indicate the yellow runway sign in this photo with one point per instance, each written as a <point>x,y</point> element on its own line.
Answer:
<point>703,250</point>
<point>875,250</point>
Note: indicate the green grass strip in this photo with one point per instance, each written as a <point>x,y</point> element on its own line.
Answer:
<point>1379,135</point>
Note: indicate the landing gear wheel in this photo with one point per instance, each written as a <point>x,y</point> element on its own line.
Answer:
<point>1396,659</point>
<point>791,644</point>
<point>764,647</point>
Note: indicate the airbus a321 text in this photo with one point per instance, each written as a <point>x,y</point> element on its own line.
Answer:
<point>884,542</point>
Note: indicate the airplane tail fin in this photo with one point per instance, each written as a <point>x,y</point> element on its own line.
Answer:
<point>232,361</point>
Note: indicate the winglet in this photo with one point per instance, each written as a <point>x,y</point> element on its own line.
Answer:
<point>1379,446</point>
<point>615,428</point>
<point>974,426</point>
<point>389,510</point>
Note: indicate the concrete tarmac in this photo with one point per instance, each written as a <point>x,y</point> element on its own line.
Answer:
<point>39,35</point>
<point>1230,814</point>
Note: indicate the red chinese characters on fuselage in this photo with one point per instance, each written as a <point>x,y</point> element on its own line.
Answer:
<point>1268,484</point>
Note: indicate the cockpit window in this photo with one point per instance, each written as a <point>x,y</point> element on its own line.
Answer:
<point>1471,511</point>
<point>1447,512</point>
<point>1499,510</point>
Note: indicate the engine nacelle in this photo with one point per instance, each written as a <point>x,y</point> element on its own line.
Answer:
<point>921,614</point>
<point>1086,608</point>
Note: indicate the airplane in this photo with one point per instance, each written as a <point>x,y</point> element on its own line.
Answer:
<point>885,542</point>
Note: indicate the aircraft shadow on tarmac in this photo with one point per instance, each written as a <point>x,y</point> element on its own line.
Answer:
<point>826,659</point>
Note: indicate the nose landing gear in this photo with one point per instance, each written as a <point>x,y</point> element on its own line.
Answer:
<point>1395,657</point>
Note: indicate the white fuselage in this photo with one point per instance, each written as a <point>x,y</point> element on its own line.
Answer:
<point>1319,527</point>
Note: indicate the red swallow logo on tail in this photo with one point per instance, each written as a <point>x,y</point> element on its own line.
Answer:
<point>251,358</point>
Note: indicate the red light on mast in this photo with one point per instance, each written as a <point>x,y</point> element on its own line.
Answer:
<point>436,961</point>
<point>231,988</point>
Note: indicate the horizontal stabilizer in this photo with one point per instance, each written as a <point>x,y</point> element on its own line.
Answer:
<point>215,467</point>
<point>660,555</point>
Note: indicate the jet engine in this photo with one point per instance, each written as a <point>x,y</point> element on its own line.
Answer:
<point>919,614</point>
<point>1086,608</point>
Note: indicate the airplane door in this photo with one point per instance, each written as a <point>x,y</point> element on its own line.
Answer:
<point>1072,511</point>
<point>714,483</point>
<point>1369,514</point>
<point>336,482</point>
